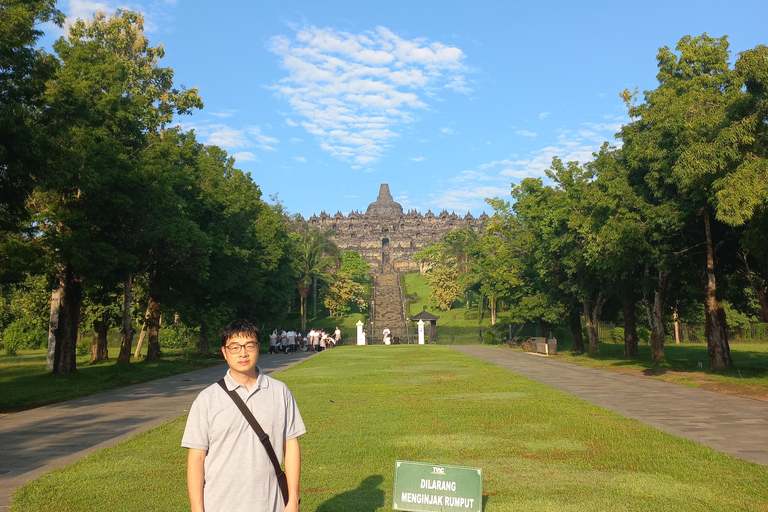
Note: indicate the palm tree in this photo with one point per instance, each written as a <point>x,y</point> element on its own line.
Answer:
<point>315,256</point>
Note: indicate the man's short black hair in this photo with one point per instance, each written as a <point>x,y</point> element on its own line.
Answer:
<point>241,327</point>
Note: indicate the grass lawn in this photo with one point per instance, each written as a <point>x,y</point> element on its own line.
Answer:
<point>459,316</point>
<point>366,407</point>
<point>25,383</point>
<point>681,366</point>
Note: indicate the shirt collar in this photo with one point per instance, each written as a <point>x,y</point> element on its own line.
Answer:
<point>232,384</point>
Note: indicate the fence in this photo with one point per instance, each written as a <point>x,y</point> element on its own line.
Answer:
<point>607,332</point>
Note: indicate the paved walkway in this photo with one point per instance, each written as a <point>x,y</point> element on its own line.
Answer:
<point>36,441</point>
<point>733,425</point>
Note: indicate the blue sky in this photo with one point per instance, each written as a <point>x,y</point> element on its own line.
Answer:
<point>447,102</point>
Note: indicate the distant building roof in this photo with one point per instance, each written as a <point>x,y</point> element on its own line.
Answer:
<point>384,206</point>
<point>426,316</point>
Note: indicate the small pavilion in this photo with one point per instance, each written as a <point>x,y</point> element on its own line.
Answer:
<point>427,317</point>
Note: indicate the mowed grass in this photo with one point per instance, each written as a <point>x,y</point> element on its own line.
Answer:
<point>25,383</point>
<point>366,407</point>
<point>458,316</point>
<point>682,363</point>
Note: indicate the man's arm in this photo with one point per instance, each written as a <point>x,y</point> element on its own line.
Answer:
<point>196,478</point>
<point>292,473</point>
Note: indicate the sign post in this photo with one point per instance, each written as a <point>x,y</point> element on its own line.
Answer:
<point>437,487</point>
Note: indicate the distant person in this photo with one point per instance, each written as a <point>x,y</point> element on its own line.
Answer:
<point>273,342</point>
<point>336,336</point>
<point>228,468</point>
<point>387,335</point>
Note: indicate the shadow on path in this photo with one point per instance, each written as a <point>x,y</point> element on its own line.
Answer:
<point>366,498</point>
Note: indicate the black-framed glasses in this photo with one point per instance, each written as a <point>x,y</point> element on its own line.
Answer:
<point>234,348</point>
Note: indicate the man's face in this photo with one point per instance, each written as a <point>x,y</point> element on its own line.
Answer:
<point>241,353</point>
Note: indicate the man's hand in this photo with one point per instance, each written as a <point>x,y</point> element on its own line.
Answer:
<point>292,473</point>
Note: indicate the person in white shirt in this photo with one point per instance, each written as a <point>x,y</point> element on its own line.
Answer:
<point>273,342</point>
<point>312,339</point>
<point>336,336</point>
<point>291,340</point>
<point>387,334</point>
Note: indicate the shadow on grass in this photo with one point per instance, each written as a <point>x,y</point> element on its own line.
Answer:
<point>366,498</point>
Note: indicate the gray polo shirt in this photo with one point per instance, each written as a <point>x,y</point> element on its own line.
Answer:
<point>238,473</point>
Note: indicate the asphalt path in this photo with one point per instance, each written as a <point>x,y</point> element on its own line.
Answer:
<point>39,440</point>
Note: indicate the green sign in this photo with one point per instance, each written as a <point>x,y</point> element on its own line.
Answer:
<point>437,487</point>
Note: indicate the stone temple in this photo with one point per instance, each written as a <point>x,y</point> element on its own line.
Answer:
<point>386,236</point>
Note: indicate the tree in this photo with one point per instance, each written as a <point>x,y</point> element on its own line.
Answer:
<point>25,69</point>
<point>314,259</point>
<point>444,281</point>
<point>697,143</point>
<point>107,96</point>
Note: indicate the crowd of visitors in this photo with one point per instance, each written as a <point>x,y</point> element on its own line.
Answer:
<point>316,340</point>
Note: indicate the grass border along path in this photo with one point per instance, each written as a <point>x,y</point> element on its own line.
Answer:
<point>365,407</point>
<point>24,382</point>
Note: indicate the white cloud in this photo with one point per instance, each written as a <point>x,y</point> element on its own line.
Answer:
<point>447,131</point>
<point>418,159</point>
<point>245,156</point>
<point>290,122</point>
<point>525,133</point>
<point>300,159</point>
<point>602,127</point>
<point>467,198</point>
<point>354,92</point>
<point>226,113</point>
<point>543,115</point>
<point>230,138</point>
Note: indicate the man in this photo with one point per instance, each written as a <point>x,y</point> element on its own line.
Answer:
<point>228,468</point>
<point>273,342</point>
<point>336,336</point>
<point>387,335</point>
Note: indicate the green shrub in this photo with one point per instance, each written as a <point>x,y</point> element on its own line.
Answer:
<point>617,335</point>
<point>84,346</point>
<point>19,335</point>
<point>488,338</point>
<point>471,315</point>
<point>644,335</point>
<point>177,336</point>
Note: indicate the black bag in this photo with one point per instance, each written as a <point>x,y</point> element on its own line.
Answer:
<point>263,437</point>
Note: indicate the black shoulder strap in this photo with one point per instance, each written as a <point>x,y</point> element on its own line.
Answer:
<point>263,437</point>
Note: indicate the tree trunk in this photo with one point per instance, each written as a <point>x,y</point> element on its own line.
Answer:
<point>716,327</point>
<point>545,328</point>
<point>99,350</point>
<point>492,304</point>
<point>314,294</point>
<point>630,322</point>
<point>66,301</point>
<point>655,312</point>
<point>140,344</point>
<point>152,321</point>
<point>576,334</point>
<point>759,287</point>
<point>676,318</point>
<point>127,332</point>
<point>303,314</point>
<point>762,297</point>
<point>592,316</point>
<point>203,347</point>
